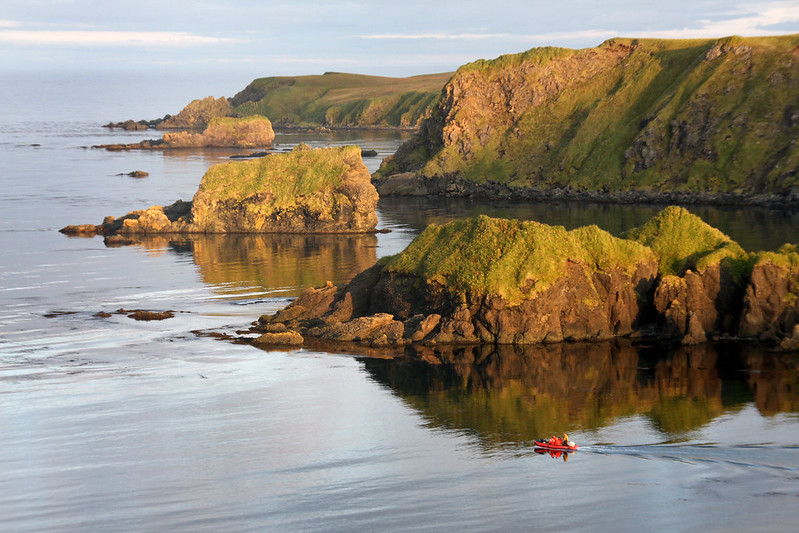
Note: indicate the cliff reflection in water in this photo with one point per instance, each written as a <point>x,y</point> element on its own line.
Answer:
<point>275,264</point>
<point>513,395</point>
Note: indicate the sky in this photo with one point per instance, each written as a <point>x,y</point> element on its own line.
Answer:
<point>391,38</point>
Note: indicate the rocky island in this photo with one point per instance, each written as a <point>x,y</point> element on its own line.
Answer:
<point>333,100</point>
<point>632,120</point>
<point>220,132</point>
<point>497,281</point>
<point>327,190</point>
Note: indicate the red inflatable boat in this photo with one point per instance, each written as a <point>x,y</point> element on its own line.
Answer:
<point>543,444</point>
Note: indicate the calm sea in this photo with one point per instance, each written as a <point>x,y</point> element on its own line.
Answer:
<point>109,424</point>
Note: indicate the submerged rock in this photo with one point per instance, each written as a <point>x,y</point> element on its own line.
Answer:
<point>327,190</point>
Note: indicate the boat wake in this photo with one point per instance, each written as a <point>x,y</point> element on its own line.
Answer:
<point>772,457</point>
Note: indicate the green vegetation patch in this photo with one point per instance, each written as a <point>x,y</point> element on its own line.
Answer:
<point>786,257</point>
<point>508,258</point>
<point>280,178</point>
<point>341,99</point>
<point>682,240</point>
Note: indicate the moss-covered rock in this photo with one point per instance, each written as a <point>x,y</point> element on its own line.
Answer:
<point>327,190</point>
<point>497,281</point>
<point>249,132</point>
<point>683,241</point>
<point>220,132</point>
<point>702,275</point>
<point>485,256</point>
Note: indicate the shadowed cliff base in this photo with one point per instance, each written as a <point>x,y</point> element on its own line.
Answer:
<point>410,184</point>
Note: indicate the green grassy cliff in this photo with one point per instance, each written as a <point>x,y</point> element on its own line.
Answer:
<point>338,99</point>
<point>631,114</point>
<point>512,259</point>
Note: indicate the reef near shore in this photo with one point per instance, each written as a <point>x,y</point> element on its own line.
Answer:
<point>496,281</point>
<point>221,132</point>
<point>327,190</point>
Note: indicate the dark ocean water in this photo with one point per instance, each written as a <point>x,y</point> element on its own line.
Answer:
<point>109,424</point>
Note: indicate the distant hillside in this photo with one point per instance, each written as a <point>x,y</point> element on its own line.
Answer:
<point>631,114</point>
<point>341,100</point>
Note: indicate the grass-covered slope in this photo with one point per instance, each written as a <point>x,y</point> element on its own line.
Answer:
<point>338,99</point>
<point>508,258</point>
<point>682,240</point>
<point>693,115</point>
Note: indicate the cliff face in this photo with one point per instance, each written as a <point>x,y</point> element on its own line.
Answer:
<point>693,115</point>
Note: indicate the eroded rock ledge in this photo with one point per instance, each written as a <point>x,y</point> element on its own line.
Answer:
<point>327,190</point>
<point>495,281</point>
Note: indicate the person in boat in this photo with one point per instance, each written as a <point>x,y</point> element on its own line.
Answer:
<point>565,440</point>
<point>555,441</point>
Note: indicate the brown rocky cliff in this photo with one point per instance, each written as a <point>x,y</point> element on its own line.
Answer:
<point>770,307</point>
<point>197,114</point>
<point>698,116</point>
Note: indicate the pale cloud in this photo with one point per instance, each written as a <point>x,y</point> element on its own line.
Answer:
<point>9,24</point>
<point>107,38</point>
<point>435,36</point>
<point>569,35</point>
<point>742,21</point>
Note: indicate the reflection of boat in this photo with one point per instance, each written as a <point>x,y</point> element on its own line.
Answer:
<point>545,445</point>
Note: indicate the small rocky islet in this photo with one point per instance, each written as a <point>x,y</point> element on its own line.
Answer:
<point>220,132</point>
<point>327,190</point>
<point>498,281</point>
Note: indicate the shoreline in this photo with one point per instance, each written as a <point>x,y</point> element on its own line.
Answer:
<point>409,184</point>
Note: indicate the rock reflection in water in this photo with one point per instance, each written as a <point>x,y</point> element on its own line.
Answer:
<point>773,379</point>
<point>276,264</point>
<point>511,395</point>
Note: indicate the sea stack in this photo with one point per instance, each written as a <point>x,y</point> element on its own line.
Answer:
<point>327,190</point>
